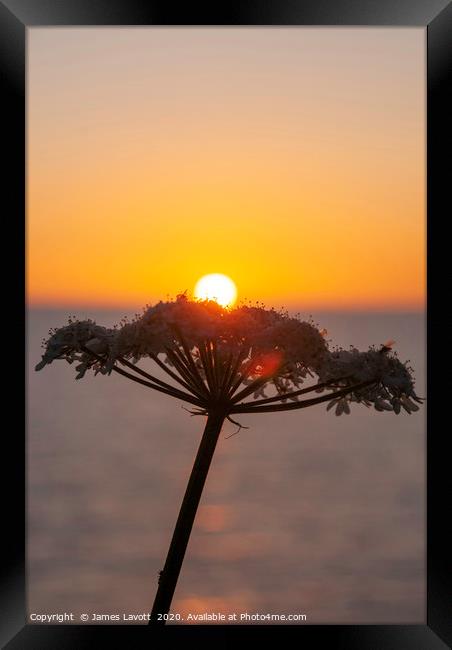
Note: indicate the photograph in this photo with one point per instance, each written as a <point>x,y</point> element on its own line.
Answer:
<point>226,246</point>
<point>226,258</point>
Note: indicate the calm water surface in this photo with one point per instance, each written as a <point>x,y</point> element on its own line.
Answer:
<point>303,512</point>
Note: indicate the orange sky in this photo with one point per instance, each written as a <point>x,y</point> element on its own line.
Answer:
<point>290,159</point>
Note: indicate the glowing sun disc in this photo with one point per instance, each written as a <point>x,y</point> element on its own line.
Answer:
<point>218,287</point>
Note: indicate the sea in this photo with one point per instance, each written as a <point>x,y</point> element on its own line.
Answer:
<point>304,514</point>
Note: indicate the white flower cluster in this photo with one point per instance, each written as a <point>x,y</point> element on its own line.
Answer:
<point>67,342</point>
<point>251,344</point>
<point>393,387</point>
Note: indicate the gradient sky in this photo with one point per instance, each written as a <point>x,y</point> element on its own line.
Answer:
<point>290,159</point>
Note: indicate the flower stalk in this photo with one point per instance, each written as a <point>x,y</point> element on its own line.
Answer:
<point>220,357</point>
<point>174,559</point>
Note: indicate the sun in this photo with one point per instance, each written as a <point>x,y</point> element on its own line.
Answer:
<point>218,287</point>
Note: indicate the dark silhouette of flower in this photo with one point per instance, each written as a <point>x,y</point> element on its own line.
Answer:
<point>225,355</point>
<point>216,358</point>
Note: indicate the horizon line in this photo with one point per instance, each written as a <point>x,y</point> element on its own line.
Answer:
<point>308,308</point>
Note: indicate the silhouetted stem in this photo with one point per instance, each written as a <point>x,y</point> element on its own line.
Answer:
<point>188,356</point>
<point>174,392</point>
<point>180,366</point>
<point>169,372</point>
<point>143,373</point>
<point>243,373</point>
<point>294,393</point>
<point>272,408</point>
<point>216,365</point>
<point>170,573</point>
<point>195,379</point>
<point>225,376</point>
<point>207,368</point>
<point>252,388</point>
<point>233,374</point>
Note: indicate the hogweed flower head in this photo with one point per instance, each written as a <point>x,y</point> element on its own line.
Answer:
<point>218,357</point>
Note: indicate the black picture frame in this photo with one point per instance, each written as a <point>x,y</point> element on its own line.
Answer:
<point>18,15</point>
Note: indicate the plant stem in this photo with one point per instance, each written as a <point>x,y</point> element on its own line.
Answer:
<point>272,408</point>
<point>170,574</point>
